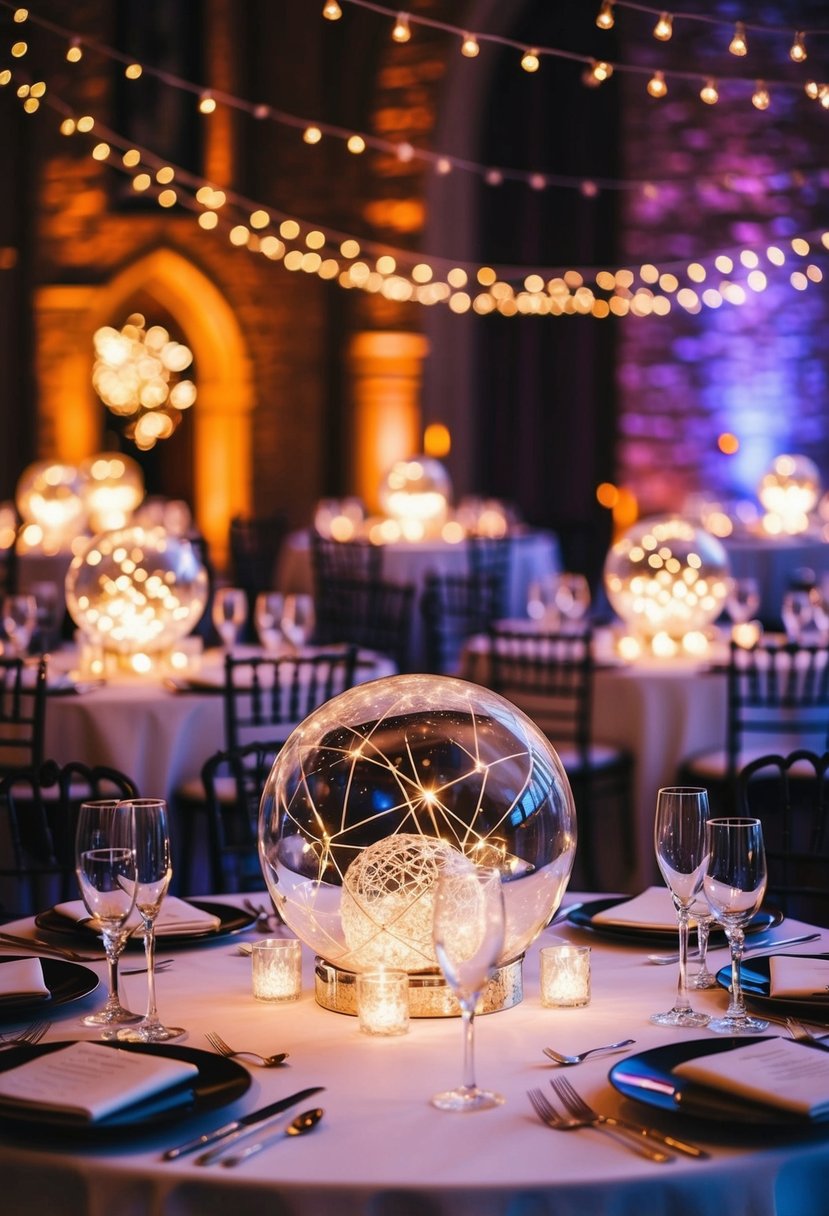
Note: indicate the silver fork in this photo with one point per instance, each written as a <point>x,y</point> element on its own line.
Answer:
<point>31,1035</point>
<point>548,1114</point>
<point>802,1035</point>
<point>579,1108</point>
<point>224,1049</point>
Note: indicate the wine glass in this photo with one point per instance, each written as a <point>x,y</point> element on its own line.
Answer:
<point>735,883</point>
<point>297,620</point>
<point>541,601</point>
<point>679,838</point>
<point>703,918</point>
<point>230,610</point>
<point>105,866</point>
<point>19,620</point>
<point>267,614</point>
<point>153,869</point>
<point>572,596</point>
<point>797,612</point>
<point>468,935</point>
<point>743,599</point>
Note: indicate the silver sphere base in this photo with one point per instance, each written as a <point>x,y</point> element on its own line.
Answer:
<point>429,994</point>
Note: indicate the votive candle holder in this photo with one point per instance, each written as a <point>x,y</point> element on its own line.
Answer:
<point>383,1002</point>
<point>276,964</point>
<point>565,976</point>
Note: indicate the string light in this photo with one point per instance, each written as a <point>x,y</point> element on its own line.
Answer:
<point>74,52</point>
<point>530,61</point>
<point>664,27</point>
<point>332,11</point>
<point>601,71</point>
<point>738,44</point>
<point>708,93</point>
<point>798,48</point>
<point>657,86</point>
<point>402,31</point>
<point>469,46</point>
<point>760,98</point>
<point>605,19</point>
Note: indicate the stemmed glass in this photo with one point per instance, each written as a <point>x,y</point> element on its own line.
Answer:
<point>541,601</point>
<point>468,935</point>
<point>153,869</point>
<point>230,611</point>
<point>105,866</point>
<point>267,614</point>
<point>19,620</point>
<point>572,596</point>
<point>743,599</point>
<point>297,620</point>
<point>735,883</point>
<point>797,612</point>
<point>703,918</point>
<point>679,838</point>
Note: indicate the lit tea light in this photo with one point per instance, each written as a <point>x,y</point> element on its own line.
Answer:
<point>565,976</point>
<point>277,969</point>
<point>383,1002</point>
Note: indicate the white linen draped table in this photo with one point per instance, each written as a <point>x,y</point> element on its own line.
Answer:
<point>660,710</point>
<point>382,1150</point>
<point>534,553</point>
<point>773,561</point>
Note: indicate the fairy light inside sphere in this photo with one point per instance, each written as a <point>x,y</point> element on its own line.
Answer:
<point>789,491</point>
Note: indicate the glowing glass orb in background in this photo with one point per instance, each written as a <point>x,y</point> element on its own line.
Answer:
<point>789,491</point>
<point>112,486</point>
<point>136,589</point>
<point>417,493</point>
<point>49,495</point>
<point>339,518</point>
<point>378,787</point>
<point>667,576</point>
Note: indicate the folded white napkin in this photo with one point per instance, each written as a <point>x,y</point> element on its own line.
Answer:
<point>176,916</point>
<point>89,1081</point>
<point>653,909</point>
<point>22,978</point>
<point>793,976</point>
<point>775,1072</point>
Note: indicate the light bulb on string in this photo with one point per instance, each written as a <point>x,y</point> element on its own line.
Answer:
<point>207,104</point>
<point>738,44</point>
<point>657,86</point>
<point>606,19</point>
<point>760,98</point>
<point>812,90</point>
<point>600,70</point>
<point>332,11</point>
<point>797,52</point>
<point>530,61</point>
<point>664,27</point>
<point>402,30</point>
<point>469,46</point>
<point>74,52</point>
<point>708,93</point>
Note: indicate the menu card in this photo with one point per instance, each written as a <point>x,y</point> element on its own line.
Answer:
<point>89,1081</point>
<point>21,979</point>
<point>176,916</point>
<point>792,975</point>
<point>779,1073</point>
<point>653,909</point>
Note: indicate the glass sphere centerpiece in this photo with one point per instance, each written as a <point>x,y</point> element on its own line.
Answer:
<point>378,789</point>
<point>136,590</point>
<point>789,491</point>
<point>417,493</point>
<point>668,580</point>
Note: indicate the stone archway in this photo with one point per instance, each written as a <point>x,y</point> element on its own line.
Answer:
<point>69,412</point>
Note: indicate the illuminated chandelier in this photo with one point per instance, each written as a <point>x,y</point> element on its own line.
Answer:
<point>132,375</point>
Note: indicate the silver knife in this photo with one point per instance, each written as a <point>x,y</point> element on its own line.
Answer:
<point>238,1125</point>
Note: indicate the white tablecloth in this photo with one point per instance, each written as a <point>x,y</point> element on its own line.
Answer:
<point>774,561</point>
<point>382,1150</point>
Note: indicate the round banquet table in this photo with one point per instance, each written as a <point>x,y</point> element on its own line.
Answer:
<point>774,561</point>
<point>383,1150</point>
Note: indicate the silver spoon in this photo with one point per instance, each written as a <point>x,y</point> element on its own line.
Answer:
<point>297,1127</point>
<point>582,1055</point>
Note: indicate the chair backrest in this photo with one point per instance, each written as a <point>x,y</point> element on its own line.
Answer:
<point>233,783</point>
<point>343,559</point>
<point>491,556</point>
<point>38,815</point>
<point>370,613</point>
<point>22,713</point>
<point>790,795</point>
<point>550,676</point>
<point>267,696</point>
<point>453,608</point>
<point>778,700</point>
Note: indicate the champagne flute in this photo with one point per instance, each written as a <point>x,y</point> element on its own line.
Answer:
<point>153,869</point>
<point>468,935</point>
<point>267,614</point>
<point>297,621</point>
<point>679,838</point>
<point>19,620</point>
<point>230,610</point>
<point>105,867</point>
<point>735,883</point>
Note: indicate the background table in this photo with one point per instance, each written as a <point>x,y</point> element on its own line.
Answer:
<point>774,562</point>
<point>382,1150</point>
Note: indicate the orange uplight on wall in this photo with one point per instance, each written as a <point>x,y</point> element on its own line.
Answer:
<point>437,440</point>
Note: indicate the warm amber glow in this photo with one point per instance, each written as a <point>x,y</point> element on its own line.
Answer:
<point>739,44</point>
<point>530,61</point>
<point>437,440</point>
<point>798,48</point>
<point>469,46</point>
<point>728,443</point>
<point>401,31</point>
<point>331,10</point>
<point>708,93</point>
<point>760,98</point>
<point>664,27</point>
<point>657,86</point>
<point>605,19</point>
